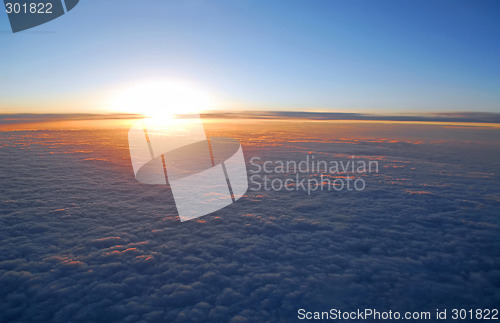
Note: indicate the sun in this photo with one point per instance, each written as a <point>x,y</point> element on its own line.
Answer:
<point>161,99</point>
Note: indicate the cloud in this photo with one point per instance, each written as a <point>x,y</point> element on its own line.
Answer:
<point>474,117</point>
<point>83,241</point>
<point>465,117</point>
<point>19,118</point>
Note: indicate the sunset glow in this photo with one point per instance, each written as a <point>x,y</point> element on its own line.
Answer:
<point>160,99</point>
<point>249,161</point>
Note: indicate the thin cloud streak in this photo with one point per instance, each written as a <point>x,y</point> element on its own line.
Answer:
<point>464,117</point>
<point>472,117</point>
<point>19,118</point>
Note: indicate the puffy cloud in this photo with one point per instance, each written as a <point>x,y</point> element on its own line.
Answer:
<point>83,241</point>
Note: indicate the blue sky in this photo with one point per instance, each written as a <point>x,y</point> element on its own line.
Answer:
<point>351,56</point>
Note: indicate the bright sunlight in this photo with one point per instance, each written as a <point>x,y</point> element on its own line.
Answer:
<point>161,99</point>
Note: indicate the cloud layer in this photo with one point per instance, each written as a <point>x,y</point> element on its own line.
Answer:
<point>467,117</point>
<point>83,241</point>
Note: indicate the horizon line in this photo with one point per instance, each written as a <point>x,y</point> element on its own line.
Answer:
<point>444,117</point>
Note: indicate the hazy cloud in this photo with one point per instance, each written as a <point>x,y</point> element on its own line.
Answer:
<point>82,240</point>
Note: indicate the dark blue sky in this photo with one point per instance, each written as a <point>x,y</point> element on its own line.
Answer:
<point>359,56</point>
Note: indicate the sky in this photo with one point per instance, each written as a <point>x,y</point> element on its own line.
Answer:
<point>348,56</point>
